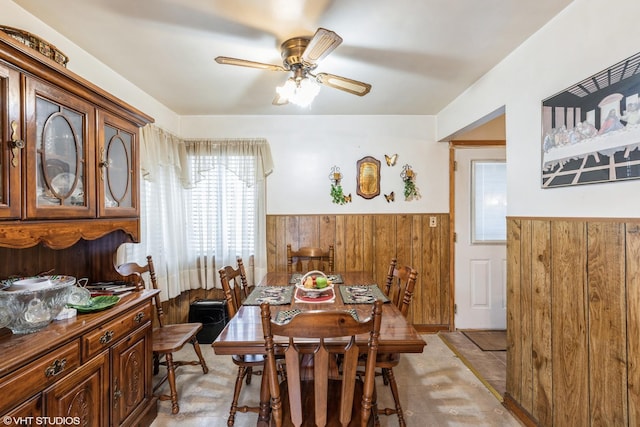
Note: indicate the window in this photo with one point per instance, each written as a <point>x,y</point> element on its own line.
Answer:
<point>489,201</point>
<point>202,207</point>
<point>221,208</point>
<point>195,231</point>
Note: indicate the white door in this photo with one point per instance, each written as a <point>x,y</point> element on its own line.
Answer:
<point>480,248</point>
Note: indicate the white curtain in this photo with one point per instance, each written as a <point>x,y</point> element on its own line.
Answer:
<point>228,177</point>
<point>203,205</point>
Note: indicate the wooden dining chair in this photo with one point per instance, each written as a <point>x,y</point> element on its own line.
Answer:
<point>167,338</point>
<point>237,284</point>
<point>399,287</point>
<point>236,289</point>
<point>401,281</point>
<point>310,258</point>
<point>322,401</point>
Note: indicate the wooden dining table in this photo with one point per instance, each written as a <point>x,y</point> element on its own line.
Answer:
<point>243,334</point>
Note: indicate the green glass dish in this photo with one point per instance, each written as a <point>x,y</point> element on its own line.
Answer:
<point>98,303</point>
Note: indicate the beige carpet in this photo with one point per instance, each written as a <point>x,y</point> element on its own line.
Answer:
<point>436,389</point>
<point>488,340</point>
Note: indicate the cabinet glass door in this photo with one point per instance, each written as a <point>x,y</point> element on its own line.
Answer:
<point>12,144</point>
<point>118,185</point>
<point>60,183</point>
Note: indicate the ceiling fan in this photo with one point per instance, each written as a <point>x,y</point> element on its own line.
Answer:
<point>301,56</point>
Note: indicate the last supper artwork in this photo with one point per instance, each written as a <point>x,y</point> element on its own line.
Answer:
<point>591,131</point>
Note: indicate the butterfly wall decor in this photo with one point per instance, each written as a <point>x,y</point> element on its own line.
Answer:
<point>347,199</point>
<point>391,197</point>
<point>391,160</point>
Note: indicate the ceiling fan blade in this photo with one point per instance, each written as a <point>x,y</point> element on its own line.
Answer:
<point>323,43</point>
<point>348,85</point>
<point>251,64</point>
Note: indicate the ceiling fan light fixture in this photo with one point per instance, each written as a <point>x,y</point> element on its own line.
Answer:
<point>300,56</point>
<point>300,92</point>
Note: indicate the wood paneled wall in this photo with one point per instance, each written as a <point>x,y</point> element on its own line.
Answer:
<point>573,321</point>
<point>362,243</point>
<point>87,258</point>
<point>367,243</point>
<point>92,259</point>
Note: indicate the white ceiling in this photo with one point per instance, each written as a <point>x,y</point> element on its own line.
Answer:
<point>417,54</point>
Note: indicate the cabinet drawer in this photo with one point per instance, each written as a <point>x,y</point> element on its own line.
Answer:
<point>38,374</point>
<point>111,332</point>
<point>30,408</point>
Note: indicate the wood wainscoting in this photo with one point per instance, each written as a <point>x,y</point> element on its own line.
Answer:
<point>573,320</point>
<point>362,243</point>
<point>367,243</point>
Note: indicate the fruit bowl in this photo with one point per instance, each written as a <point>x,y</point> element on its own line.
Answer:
<point>29,304</point>
<point>313,291</point>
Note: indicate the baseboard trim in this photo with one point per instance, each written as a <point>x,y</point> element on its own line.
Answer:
<point>431,328</point>
<point>518,411</point>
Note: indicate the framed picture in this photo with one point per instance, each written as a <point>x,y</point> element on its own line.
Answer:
<point>591,130</point>
<point>368,177</point>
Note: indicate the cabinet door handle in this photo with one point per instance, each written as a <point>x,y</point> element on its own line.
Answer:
<point>16,144</point>
<point>139,317</point>
<point>55,368</point>
<point>106,337</point>
<point>105,163</point>
<point>116,393</point>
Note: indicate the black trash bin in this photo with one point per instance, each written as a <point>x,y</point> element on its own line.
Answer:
<point>213,316</point>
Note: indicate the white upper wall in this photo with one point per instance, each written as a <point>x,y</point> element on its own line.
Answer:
<point>88,67</point>
<point>587,37</point>
<point>304,149</point>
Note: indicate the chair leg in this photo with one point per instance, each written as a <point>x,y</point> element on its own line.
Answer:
<point>171,378</point>
<point>156,363</point>
<point>374,410</point>
<point>388,373</point>
<point>248,375</point>
<point>196,347</point>
<point>236,395</point>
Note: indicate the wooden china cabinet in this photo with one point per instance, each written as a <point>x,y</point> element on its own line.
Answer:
<point>70,153</point>
<point>69,196</point>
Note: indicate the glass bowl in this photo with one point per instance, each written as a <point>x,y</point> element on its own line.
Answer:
<point>30,304</point>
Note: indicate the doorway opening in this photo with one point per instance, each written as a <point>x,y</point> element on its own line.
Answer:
<point>478,301</point>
